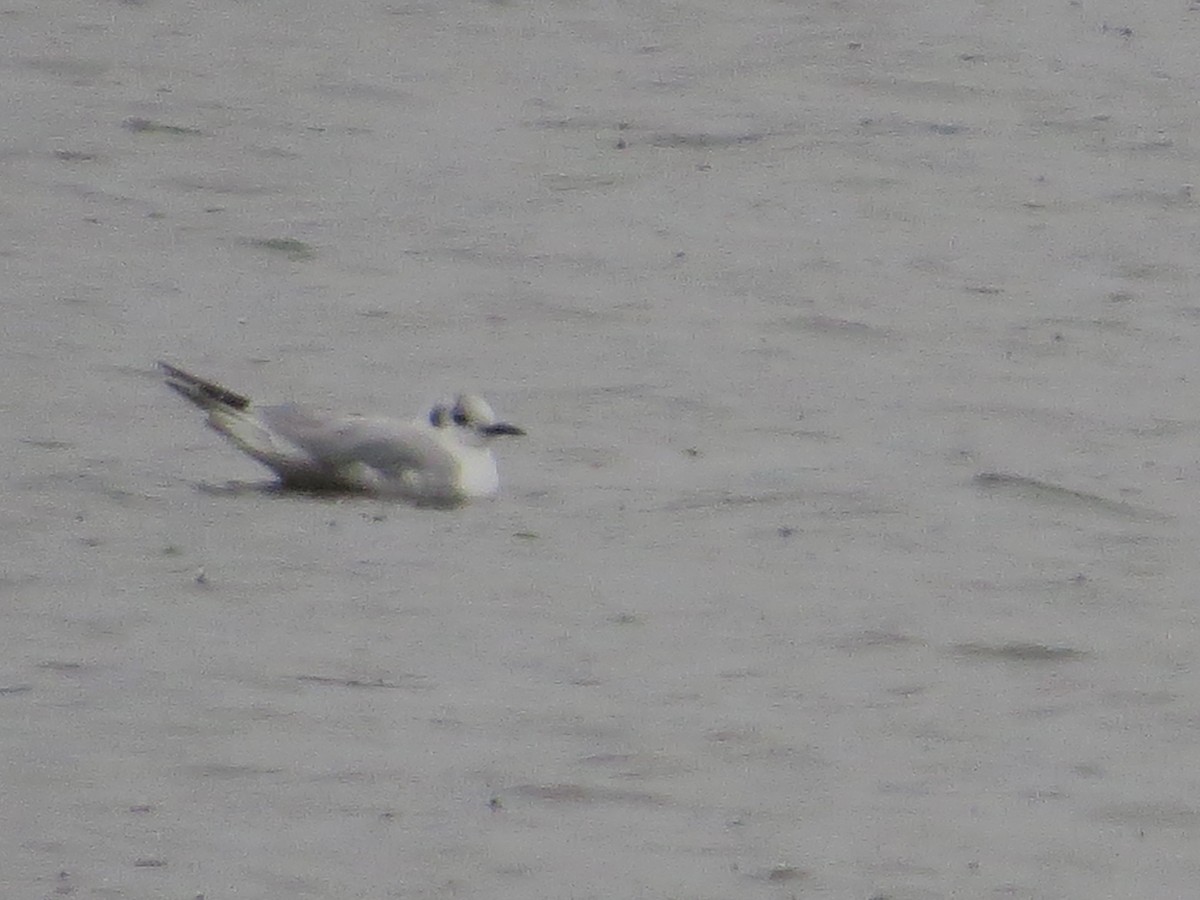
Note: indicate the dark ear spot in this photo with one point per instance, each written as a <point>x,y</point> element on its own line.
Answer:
<point>439,417</point>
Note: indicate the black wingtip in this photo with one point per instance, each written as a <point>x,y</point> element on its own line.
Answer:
<point>197,389</point>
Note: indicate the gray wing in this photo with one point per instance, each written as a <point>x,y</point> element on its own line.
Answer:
<point>366,453</point>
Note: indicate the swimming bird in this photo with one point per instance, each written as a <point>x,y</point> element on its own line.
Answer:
<point>443,460</point>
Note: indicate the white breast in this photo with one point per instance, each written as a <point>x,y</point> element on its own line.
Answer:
<point>477,475</point>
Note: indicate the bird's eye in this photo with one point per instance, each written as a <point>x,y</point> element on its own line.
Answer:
<point>460,417</point>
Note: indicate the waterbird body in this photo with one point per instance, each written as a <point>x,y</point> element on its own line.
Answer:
<point>443,460</point>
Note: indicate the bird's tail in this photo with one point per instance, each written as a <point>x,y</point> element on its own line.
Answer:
<point>231,415</point>
<point>205,394</point>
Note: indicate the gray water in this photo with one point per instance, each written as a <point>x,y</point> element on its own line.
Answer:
<point>851,553</point>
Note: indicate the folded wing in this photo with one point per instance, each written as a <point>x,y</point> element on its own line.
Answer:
<point>372,454</point>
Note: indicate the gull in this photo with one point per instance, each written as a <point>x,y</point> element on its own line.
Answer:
<point>443,460</point>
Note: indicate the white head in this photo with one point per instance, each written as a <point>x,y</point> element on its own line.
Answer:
<point>473,413</point>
